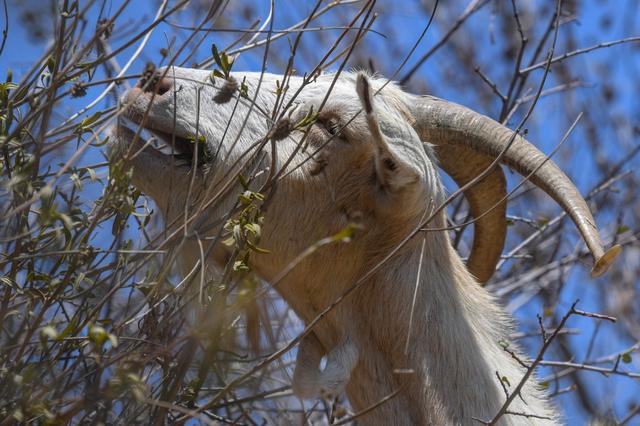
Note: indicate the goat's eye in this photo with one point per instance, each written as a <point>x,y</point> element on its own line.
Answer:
<point>331,126</point>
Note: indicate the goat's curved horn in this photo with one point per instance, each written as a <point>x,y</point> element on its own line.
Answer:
<point>466,143</point>
<point>464,164</point>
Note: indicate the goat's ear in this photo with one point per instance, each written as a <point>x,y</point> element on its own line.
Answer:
<point>392,172</point>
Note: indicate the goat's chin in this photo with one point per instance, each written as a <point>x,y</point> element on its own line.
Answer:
<point>118,143</point>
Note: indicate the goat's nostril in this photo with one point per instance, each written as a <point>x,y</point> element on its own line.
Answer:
<point>163,86</point>
<point>158,84</point>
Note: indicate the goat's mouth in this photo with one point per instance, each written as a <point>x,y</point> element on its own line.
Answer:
<point>182,151</point>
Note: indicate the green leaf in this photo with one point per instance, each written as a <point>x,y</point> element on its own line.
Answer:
<point>626,358</point>
<point>216,55</point>
<point>89,64</point>
<point>543,221</point>
<point>4,280</point>
<point>245,198</point>
<point>227,63</point>
<point>97,335</point>
<point>51,63</point>
<point>145,288</point>
<point>92,174</point>
<point>622,229</point>
<point>254,228</point>
<point>503,343</point>
<point>257,249</point>
<point>4,93</point>
<point>200,139</point>
<point>7,85</point>
<point>505,380</point>
<point>223,61</point>
<point>240,266</point>
<point>237,233</point>
<point>67,330</point>
<point>244,90</point>
<point>243,182</point>
<point>190,392</point>
<point>104,142</point>
<point>18,415</point>
<point>146,219</point>
<point>309,118</point>
<point>48,332</point>
<point>87,122</point>
<point>21,93</point>
<point>113,339</point>
<point>347,233</point>
<point>77,182</point>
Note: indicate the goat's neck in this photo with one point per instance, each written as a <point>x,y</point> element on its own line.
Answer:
<point>446,373</point>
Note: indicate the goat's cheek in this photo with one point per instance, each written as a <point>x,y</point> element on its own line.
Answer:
<point>316,139</point>
<point>318,163</point>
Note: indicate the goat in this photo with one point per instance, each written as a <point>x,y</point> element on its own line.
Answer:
<point>419,323</point>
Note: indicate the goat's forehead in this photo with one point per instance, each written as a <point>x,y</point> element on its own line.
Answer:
<point>341,89</point>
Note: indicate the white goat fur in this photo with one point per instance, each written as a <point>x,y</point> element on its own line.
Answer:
<point>455,341</point>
